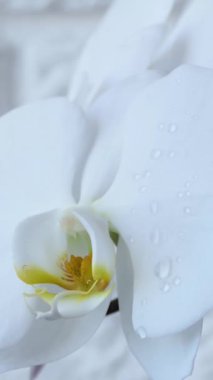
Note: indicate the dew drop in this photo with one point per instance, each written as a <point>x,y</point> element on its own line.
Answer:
<point>177,281</point>
<point>180,194</point>
<point>141,332</point>
<point>187,184</point>
<point>188,194</point>
<point>155,154</point>
<point>172,128</point>
<point>163,268</point>
<point>142,189</point>
<point>146,174</point>
<point>161,126</point>
<point>155,236</point>
<point>154,208</point>
<point>171,154</point>
<point>166,288</point>
<point>187,210</point>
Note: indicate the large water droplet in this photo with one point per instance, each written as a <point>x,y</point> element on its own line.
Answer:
<point>155,154</point>
<point>155,236</point>
<point>141,332</point>
<point>154,207</point>
<point>172,128</point>
<point>163,268</point>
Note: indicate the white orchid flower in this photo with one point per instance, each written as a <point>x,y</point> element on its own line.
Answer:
<point>155,190</point>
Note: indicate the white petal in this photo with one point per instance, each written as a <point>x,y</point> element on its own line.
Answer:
<point>103,249</point>
<point>165,358</point>
<point>43,147</point>
<point>122,46</point>
<point>106,114</point>
<point>14,315</point>
<point>187,39</point>
<point>51,340</point>
<point>161,200</point>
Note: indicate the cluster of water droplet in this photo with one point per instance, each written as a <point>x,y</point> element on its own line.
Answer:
<point>164,272</point>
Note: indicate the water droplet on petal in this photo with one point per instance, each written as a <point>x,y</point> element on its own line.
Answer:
<point>172,128</point>
<point>144,302</point>
<point>131,239</point>
<point>187,184</point>
<point>155,236</point>
<point>154,208</point>
<point>141,332</point>
<point>161,126</point>
<point>155,154</point>
<point>163,268</point>
<point>180,194</point>
<point>146,174</point>
<point>166,287</point>
<point>177,281</point>
<point>171,154</point>
<point>142,189</point>
<point>187,210</point>
<point>188,194</point>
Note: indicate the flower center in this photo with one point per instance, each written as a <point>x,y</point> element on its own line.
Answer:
<point>77,274</point>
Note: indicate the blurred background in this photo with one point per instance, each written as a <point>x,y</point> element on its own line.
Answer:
<point>40,43</point>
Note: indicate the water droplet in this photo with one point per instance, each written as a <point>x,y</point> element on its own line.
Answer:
<point>137,177</point>
<point>177,281</point>
<point>166,287</point>
<point>180,194</point>
<point>172,128</point>
<point>161,126</point>
<point>171,154</point>
<point>188,194</point>
<point>187,210</point>
<point>146,174</point>
<point>155,236</point>
<point>163,268</point>
<point>155,154</point>
<point>142,189</point>
<point>141,332</point>
<point>187,184</point>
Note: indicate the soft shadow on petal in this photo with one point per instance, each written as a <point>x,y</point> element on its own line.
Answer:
<point>46,341</point>
<point>106,114</point>
<point>161,200</point>
<point>187,39</point>
<point>165,358</point>
<point>122,46</point>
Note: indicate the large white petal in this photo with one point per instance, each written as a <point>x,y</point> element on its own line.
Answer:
<point>165,358</point>
<point>43,147</point>
<point>123,45</point>
<point>161,200</point>
<point>187,38</point>
<point>51,340</point>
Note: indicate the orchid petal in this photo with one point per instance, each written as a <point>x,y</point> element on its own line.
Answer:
<point>46,341</point>
<point>163,358</point>
<point>115,53</point>
<point>187,37</point>
<point>105,113</point>
<point>164,212</point>
<point>43,147</point>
